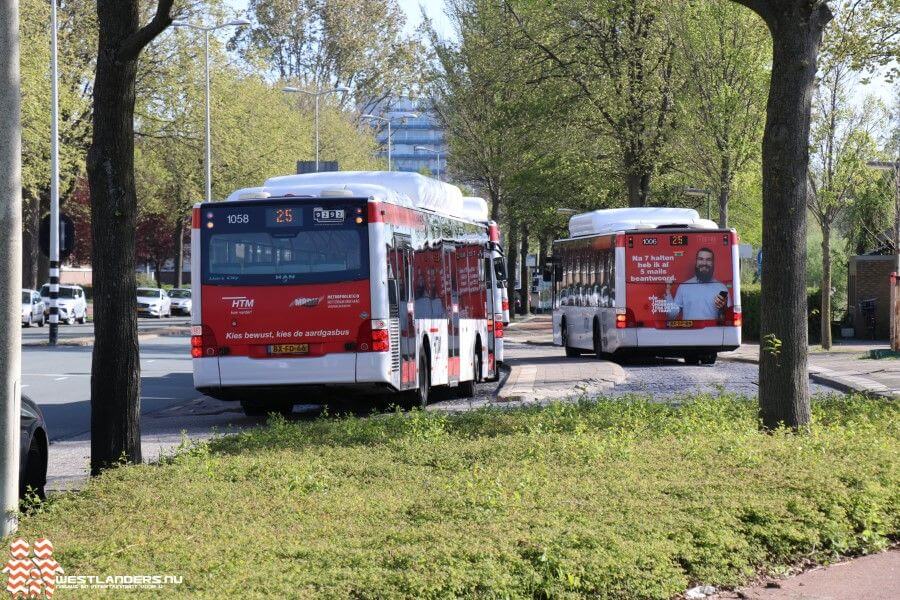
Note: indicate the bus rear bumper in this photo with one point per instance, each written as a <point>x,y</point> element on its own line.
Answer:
<point>345,369</point>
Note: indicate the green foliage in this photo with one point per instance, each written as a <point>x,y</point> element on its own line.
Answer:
<point>624,498</point>
<point>356,43</point>
<point>750,313</point>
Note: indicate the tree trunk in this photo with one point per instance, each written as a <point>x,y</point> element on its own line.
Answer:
<point>179,252</point>
<point>31,221</point>
<point>526,279</point>
<point>495,205</point>
<point>724,191</point>
<point>157,272</point>
<point>638,189</point>
<point>512,254</point>
<point>783,381</point>
<point>115,370</point>
<point>826,287</point>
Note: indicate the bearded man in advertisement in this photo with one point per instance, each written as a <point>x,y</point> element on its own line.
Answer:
<point>702,297</point>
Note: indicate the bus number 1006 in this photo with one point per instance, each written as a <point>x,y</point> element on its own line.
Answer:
<point>649,241</point>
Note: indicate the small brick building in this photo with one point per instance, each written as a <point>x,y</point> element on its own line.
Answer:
<point>869,278</point>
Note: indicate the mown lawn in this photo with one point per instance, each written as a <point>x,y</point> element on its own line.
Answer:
<point>610,499</point>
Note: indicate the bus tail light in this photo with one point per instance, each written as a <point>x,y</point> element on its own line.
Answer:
<point>498,329</point>
<point>624,318</point>
<point>203,342</point>
<point>374,336</point>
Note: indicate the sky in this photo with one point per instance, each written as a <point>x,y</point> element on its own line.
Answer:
<point>433,8</point>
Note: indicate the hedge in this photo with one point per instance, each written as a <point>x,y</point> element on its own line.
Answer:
<point>751,317</point>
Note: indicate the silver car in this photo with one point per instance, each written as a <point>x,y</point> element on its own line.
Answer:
<point>181,301</point>
<point>153,302</point>
<point>32,308</point>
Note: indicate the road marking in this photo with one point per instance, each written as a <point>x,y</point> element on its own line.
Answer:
<point>60,378</point>
<point>24,386</point>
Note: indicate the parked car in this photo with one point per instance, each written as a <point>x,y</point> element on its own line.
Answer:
<point>153,303</point>
<point>181,301</point>
<point>32,308</point>
<point>34,448</point>
<point>71,302</point>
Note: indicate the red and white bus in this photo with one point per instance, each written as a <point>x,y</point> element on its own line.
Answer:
<point>379,281</point>
<point>653,281</point>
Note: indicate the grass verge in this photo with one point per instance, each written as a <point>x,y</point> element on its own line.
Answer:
<point>610,499</point>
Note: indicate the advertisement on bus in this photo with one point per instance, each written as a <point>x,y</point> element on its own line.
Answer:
<point>680,280</point>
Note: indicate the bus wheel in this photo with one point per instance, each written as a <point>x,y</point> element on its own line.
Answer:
<point>598,341</point>
<point>708,359</point>
<point>424,390</point>
<point>253,409</point>
<point>570,352</point>
<point>467,389</point>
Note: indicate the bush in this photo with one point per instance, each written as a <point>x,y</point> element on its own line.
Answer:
<point>624,498</point>
<point>751,317</point>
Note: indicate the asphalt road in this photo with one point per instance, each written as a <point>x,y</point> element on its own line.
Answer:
<point>58,379</point>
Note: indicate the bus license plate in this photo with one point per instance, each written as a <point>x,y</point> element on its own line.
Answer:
<point>289,349</point>
<point>680,324</point>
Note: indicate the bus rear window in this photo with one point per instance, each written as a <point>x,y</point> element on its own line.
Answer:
<point>249,248</point>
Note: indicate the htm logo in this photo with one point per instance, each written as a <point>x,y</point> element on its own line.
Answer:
<point>240,302</point>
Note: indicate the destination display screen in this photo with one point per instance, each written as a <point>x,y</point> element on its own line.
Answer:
<point>284,217</point>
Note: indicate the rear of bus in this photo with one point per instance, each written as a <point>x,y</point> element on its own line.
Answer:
<point>282,296</point>
<point>682,292</point>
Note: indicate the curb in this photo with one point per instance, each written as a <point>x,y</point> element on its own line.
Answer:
<point>846,384</point>
<point>145,335</point>
<point>523,387</point>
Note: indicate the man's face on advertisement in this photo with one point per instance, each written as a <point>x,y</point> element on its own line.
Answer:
<point>703,269</point>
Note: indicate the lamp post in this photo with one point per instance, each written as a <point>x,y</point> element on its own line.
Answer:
<point>10,266</point>
<point>388,121</point>
<point>54,182</point>
<point>293,90</point>
<point>893,166</point>
<point>699,193</point>
<point>436,152</point>
<point>206,29</point>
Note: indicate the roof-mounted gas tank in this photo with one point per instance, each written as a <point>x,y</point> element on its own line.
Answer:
<point>624,219</point>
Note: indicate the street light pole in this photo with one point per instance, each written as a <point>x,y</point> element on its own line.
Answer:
<point>389,135</point>
<point>207,158</point>
<point>294,90</point>
<point>207,162</point>
<point>438,153</point>
<point>700,193</point>
<point>10,265</point>
<point>54,180</point>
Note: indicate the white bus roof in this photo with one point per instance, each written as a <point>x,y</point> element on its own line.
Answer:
<point>476,208</point>
<point>405,189</point>
<point>611,220</point>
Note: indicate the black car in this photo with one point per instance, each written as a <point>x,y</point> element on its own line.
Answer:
<point>34,443</point>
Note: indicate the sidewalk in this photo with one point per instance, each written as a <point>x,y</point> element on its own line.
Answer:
<point>873,577</point>
<point>845,367</point>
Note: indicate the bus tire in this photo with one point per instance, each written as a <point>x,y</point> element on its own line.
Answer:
<point>467,389</point>
<point>598,340</point>
<point>423,392</point>
<point>252,409</point>
<point>570,352</point>
<point>708,359</point>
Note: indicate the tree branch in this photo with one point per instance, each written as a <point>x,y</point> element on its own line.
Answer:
<point>132,45</point>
